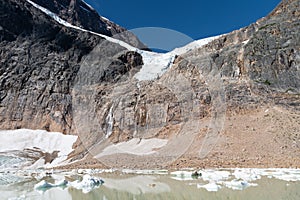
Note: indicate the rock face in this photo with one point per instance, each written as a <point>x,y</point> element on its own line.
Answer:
<point>241,73</point>
<point>267,51</point>
<point>39,62</point>
<point>61,79</point>
<point>258,63</point>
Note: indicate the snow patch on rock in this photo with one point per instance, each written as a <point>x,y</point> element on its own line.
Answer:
<point>134,146</point>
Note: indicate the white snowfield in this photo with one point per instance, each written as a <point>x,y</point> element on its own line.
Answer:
<point>20,139</point>
<point>134,146</point>
<point>155,64</point>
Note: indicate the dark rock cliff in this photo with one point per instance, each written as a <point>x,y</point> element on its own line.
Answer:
<point>265,56</point>
<point>39,62</point>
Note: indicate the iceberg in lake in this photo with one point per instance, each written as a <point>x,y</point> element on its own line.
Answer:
<point>87,184</point>
<point>44,185</point>
<point>238,184</point>
<point>210,187</point>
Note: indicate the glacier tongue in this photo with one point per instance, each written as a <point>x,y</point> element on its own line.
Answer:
<point>155,64</point>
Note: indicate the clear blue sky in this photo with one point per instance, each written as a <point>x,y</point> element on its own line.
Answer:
<point>195,18</point>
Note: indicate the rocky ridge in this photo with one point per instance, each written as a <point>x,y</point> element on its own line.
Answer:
<point>79,13</point>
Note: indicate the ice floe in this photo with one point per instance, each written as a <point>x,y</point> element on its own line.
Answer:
<point>44,185</point>
<point>184,175</point>
<point>211,187</point>
<point>145,172</point>
<point>87,184</point>
<point>214,175</point>
<point>235,179</point>
<point>247,174</point>
<point>237,184</point>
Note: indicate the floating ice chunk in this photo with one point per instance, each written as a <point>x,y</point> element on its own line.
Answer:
<point>182,175</point>
<point>80,171</point>
<point>206,175</point>
<point>145,172</point>
<point>287,174</point>
<point>288,177</point>
<point>211,187</point>
<point>61,183</point>
<point>247,174</point>
<point>212,175</point>
<point>87,184</point>
<point>238,185</point>
<point>44,185</point>
<point>92,171</point>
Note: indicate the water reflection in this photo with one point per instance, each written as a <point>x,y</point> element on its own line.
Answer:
<point>267,189</point>
<point>124,186</point>
<point>138,185</point>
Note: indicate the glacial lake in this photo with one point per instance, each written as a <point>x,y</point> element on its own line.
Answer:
<point>267,184</point>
